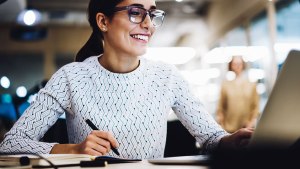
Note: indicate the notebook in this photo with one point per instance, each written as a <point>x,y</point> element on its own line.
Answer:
<point>60,160</point>
<point>279,124</point>
<point>57,159</point>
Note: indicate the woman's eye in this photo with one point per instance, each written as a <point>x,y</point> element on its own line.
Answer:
<point>135,12</point>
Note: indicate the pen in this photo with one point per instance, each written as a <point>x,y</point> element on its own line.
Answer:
<point>89,122</point>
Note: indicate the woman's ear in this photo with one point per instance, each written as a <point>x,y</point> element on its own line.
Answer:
<point>101,22</point>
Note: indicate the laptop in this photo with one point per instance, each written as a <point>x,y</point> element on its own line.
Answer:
<point>279,124</point>
<point>182,160</point>
<point>275,141</point>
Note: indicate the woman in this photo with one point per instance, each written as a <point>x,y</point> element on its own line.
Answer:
<point>126,96</point>
<point>239,102</point>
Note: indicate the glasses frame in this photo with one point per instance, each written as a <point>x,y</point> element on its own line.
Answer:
<point>147,12</point>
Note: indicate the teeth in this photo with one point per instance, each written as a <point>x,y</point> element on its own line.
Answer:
<point>141,37</point>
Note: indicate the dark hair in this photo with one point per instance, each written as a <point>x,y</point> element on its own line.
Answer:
<point>94,46</point>
<point>230,63</point>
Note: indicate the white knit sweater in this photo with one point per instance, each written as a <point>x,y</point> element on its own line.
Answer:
<point>133,106</point>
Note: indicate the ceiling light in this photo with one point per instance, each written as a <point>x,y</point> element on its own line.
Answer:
<point>5,82</point>
<point>255,74</point>
<point>29,17</point>
<point>230,75</point>
<point>21,91</point>
<point>282,50</point>
<point>171,55</point>
<point>205,74</point>
<point>261,88</point>
<point>224,54</point>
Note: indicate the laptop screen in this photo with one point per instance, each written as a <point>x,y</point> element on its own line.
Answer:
<point>279,124</point>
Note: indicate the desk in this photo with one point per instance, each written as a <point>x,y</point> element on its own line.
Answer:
<point>145,165</point>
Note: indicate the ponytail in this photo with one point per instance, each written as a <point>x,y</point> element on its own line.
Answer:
<point>93,47</point>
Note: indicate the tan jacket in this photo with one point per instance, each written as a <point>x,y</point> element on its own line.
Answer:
<point>238,105</point>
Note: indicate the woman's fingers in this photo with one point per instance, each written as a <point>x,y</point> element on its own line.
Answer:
<point>94,152</point>
<point>244,133</point>
<point>98,143</point>
<point>238,139</point>
<point>107,136</point>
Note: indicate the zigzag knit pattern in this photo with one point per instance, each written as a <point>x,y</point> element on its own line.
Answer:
<point>133,106</point>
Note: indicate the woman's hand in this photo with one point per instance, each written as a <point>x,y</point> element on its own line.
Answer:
<point>97,143</point>
<point>236,140</point>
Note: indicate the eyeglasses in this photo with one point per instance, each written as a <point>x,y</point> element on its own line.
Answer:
<point>138,14</point>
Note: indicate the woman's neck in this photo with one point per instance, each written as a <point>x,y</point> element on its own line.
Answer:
<point>119,64</point>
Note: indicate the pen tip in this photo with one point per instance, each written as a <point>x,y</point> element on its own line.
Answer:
<point>116,151</point>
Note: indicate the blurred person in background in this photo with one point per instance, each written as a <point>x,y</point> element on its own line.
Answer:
<point>238,105</point>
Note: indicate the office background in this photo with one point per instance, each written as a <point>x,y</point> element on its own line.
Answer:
<point>198,36</point>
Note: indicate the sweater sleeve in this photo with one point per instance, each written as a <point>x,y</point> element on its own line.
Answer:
<point>192,114</point>
<point>51,102</point>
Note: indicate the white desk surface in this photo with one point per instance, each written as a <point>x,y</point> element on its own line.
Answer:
<point>145,165</point>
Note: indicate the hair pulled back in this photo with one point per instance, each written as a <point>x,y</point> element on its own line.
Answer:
<point>94,45</point>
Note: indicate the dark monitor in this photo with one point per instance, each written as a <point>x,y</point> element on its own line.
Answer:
<point>28,33</point>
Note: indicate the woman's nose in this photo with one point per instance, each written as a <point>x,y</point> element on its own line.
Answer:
<point>147,23</point>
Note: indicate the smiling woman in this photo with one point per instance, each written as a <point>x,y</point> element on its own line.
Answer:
<point>126,96</point>
<point>130,41</point>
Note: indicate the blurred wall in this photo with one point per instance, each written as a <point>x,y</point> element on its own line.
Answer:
<point>225,15</point>
<point>60,40</point>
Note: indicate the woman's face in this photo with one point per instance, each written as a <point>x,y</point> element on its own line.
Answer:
<point>127,38</point>
<point>237,65</point>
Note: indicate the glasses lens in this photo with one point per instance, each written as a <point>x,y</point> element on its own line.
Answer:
<point>136,15</point>
<point>157,17</point>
